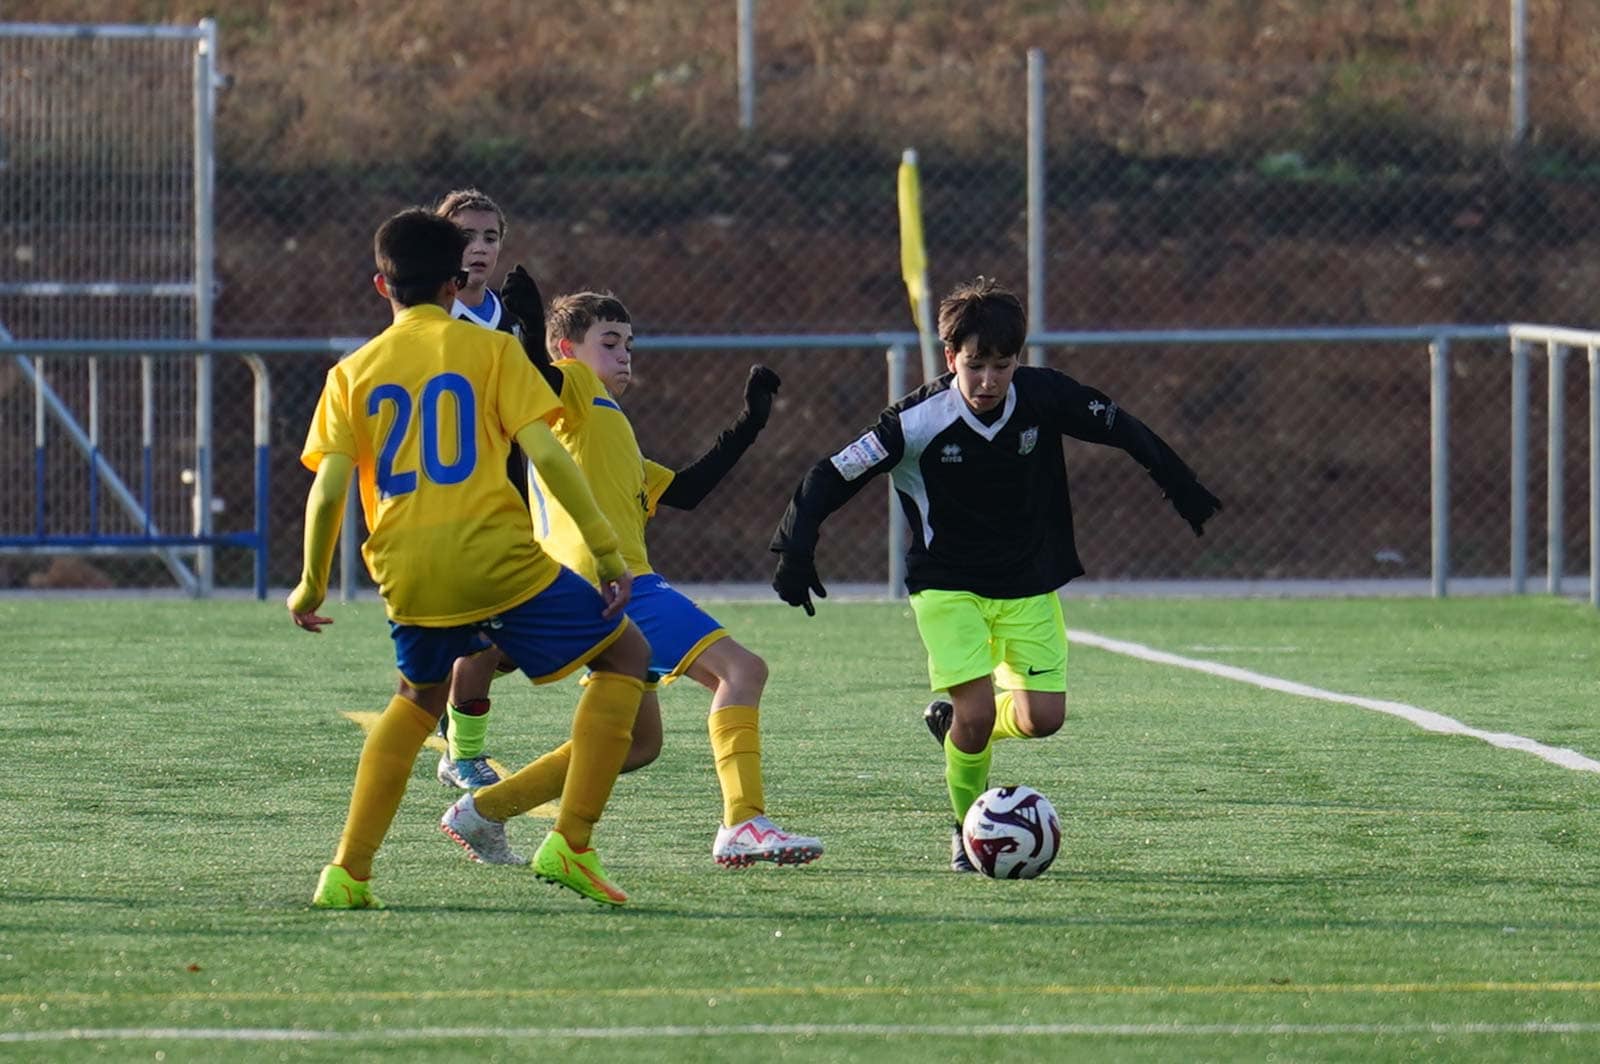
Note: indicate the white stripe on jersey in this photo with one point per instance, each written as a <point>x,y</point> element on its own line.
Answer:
<point>918,426</point>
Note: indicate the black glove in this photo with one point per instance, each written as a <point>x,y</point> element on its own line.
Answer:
<point>758,392</point>
<point>1194,504</point>
<point>521,297</point>
<point>795,579</point>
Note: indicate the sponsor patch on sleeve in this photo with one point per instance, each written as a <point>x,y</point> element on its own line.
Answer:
<point>860,456</point>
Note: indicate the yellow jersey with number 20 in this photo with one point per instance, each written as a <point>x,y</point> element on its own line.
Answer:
<point>427,410</point>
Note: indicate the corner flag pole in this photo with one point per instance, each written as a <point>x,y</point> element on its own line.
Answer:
<point>914,262</point>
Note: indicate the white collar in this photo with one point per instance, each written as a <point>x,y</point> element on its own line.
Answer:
<point>461,310</point>
<point>988,432</point>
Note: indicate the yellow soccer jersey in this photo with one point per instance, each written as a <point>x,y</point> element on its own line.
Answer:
<point>427,409</point>
<point>626,485</point>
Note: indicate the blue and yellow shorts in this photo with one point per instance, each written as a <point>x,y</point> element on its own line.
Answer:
<point>548,636</point>
<point>678,630</point>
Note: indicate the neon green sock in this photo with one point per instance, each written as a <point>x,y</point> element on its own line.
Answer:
<point>1005,718</point>
<point>966,775</point>
<point>467,729</point>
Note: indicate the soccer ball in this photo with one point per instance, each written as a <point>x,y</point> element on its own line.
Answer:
<point>1011,833</point>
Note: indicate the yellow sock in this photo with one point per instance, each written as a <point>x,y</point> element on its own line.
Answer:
<point>602,731</point>
<point>533,785</point>
<point>381,777</point>
<point>736,745</point>
<point>1005,718</point>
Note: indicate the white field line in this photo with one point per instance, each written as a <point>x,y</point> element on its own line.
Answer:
<point>795,992</point>
<point>1425,719</point>
<point>798,1030</point>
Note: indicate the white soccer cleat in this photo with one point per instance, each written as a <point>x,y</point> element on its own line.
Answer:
<point>467,773</point>
<point>759,839</point>
<point>482,838</point>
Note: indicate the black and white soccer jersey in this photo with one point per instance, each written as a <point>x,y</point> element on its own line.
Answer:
<point>491,313</point>
<point>987,504</point>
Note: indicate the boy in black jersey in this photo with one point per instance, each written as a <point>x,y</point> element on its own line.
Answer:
<point>977,464</point>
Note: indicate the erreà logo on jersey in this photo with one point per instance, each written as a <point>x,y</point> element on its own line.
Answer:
<point>1030,436</point>
<point>951,452</point>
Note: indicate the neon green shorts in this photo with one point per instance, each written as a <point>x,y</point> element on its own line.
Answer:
<point>1022,642</point>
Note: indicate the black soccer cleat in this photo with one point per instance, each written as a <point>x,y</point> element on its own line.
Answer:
<point>959,861</point>
<point>937,718</point>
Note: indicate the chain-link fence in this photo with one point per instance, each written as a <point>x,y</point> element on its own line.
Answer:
<point>1179,193</point>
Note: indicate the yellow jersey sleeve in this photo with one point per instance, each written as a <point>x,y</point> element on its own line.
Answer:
<point>657,478</point>
<point>331,431</point>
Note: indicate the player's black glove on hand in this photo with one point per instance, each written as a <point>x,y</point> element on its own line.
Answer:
<point>522,298</point>
<point>758,392</point>
<point>1194,504</point>
<point>795,579</point>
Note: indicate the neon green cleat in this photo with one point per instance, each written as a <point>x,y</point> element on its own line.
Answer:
<point>557,862</point>
<point>336,889</point>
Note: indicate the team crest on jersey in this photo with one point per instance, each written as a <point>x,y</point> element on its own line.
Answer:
<point>860,456</point>
<point>951,452</point>
<point>1030,436</point>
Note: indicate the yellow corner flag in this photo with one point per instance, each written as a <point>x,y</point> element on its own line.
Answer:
<point>914,260</point>
<point>913,255</point>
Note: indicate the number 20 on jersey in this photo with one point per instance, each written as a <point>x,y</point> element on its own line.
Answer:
<point>427,413</point>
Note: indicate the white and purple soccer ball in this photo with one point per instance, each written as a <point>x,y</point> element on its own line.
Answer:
<point>1011,833</point>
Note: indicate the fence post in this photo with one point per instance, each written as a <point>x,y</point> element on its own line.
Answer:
<point>147,439</point>
<point>1519,73</point>
<point>94,446</point>
<point>898,361</point>
<point>205,106</point>
<point>1439,442</point>
<point>1519,467</point>
<point>1594,475</point>
<point>262,397</point>
<point>39,442</point>
<point>1555,470</point>
<point>747,64</point>
<point>1036,201</point>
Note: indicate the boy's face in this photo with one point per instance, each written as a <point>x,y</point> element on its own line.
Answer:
<point>983,379</point>
<point>607,348</point>
<point>483,246</point>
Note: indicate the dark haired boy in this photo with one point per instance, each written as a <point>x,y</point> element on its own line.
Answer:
<point>977,463</point>
<point>424,413</point>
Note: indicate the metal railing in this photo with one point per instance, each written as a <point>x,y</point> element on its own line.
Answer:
<point>1522,338</point>
<point>1558,342</point>
<point>86,435</point>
